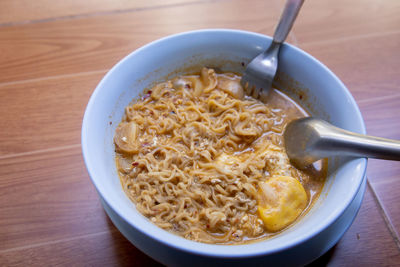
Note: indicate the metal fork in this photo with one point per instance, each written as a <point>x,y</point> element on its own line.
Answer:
<point>260,72</point>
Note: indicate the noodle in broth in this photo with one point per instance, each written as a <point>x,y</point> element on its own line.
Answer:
<point>192,152</point>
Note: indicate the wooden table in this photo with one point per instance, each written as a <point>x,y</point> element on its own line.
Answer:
<point>53,54</point>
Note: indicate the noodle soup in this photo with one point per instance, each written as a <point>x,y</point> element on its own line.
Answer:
<point>201,159</point>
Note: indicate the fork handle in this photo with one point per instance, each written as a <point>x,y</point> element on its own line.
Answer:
<point>292,8</point>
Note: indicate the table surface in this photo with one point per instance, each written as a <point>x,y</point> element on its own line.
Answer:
<point>53,54</point>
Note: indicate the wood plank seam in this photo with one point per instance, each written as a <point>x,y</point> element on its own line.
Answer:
<point>385,216</point>
<point>386,181</point>
<point>105,13</point>
<point>353,37</point>
<point>58,241</point>
<point>70,75</point>
<point>378,99</point>
<point>40,151</point>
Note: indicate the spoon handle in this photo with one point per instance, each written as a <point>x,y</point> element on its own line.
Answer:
<point>342,142</point>
<point>287,19</point>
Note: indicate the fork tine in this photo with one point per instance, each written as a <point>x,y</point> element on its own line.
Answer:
<point>256,92</point>
<point>256,88</point>
<point>263,94</point>
<point>246,85</point>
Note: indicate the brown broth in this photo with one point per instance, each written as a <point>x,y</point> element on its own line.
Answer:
<point>133,171</point>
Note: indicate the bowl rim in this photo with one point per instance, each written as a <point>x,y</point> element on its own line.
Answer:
<point>212,250</point>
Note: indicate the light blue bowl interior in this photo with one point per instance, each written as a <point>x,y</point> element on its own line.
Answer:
<point>325,95</point>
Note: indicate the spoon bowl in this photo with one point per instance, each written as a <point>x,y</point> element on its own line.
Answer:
<point>309,139</point>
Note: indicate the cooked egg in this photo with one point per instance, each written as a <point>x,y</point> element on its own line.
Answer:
<point>225,159</point>
<point>125,137</point>
<point>281,199</point>
<point>277,162</point>
<point>227,163</point>
<point>231,86</point>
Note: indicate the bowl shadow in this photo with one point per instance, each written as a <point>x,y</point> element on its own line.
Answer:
<point>123,252</point>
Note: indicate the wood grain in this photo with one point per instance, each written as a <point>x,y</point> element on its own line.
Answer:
<point>367,242</point>
<point>368,66</point>
<point>353,55</point>
<point>53,54</point>
<point>378,119</point>
<point>367,233</point>
<point>59,118</point>
<point>326,21</point>
<point>97,43</point>
<point>103,249</point>
<point>44,113</point>
<point>382,119</point>
<point>26,11</point>
<point>46,197</point>
<point>387,185</point>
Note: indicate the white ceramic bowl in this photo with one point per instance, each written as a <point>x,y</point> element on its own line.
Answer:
<point>299,74</point>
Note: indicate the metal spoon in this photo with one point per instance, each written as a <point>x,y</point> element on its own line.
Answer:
<point>260,72</point>
<point>309,139</point>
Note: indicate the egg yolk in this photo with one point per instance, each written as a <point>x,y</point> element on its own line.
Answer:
<point>281,199</point>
